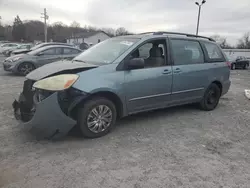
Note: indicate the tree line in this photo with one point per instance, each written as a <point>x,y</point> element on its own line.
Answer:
<point>33,30</point>
<point>243,42</point>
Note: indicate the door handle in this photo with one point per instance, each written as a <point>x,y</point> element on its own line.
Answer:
<point>166,71</point>
<point>177,70</point>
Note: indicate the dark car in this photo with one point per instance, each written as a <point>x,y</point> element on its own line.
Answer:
<point>240,62</point>
<point>24,51</point>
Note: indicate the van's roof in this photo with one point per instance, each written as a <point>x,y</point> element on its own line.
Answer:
<point>168,34</point>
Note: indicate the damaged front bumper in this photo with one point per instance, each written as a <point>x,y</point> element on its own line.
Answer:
<point>46,118</point>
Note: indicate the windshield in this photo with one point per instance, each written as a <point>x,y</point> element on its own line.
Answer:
<point>106,51</point>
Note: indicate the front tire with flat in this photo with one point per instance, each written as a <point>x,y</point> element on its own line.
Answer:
<point>97,117</point>
<point>211,98</point>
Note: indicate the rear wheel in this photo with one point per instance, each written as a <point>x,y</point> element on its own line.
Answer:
<point>25,68</point>
<point>97,117</point>
<point>211,98</point>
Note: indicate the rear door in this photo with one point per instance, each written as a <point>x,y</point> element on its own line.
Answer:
<point>190,72</point>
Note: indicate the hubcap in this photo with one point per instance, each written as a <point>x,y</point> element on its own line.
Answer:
<point>212,97</point>
<point>99,118</point>
<point>26,68</point>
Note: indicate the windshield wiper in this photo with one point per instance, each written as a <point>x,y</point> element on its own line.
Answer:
<point>78,60</point>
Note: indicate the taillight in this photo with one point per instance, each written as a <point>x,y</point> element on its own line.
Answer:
<point>228,64</point>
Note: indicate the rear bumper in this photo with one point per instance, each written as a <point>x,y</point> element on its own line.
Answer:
<point>46,120</point>
<point>225,87</point>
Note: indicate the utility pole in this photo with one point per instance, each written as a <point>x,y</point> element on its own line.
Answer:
<point>199,14</point>
<point>45,17</point>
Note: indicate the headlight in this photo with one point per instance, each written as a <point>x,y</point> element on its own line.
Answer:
<point>56,83</point>
<point>16,59</point>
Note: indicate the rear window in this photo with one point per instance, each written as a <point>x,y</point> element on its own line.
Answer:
<point>214,52</point>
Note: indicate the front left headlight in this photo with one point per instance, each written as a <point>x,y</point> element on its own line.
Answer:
<point>56,83</point>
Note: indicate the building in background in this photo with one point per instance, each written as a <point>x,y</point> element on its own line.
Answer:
<point>90,38</point>
<point>237,52</point>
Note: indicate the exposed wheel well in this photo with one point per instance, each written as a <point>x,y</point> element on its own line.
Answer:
<point>219,85</point>
<point>108,95</point>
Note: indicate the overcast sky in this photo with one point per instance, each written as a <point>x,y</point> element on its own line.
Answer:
<point>230,18</point>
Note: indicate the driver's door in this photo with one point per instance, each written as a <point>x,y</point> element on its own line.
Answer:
<point>149,87</point>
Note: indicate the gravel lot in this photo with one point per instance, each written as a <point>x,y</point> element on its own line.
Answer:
<point>177,147</point>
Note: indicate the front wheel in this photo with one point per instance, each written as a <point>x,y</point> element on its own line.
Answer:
<point>97,117</point>
<point>25,68</point>
<point>211,98</point>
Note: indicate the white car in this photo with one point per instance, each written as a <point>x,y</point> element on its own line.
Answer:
<point>7,46</point>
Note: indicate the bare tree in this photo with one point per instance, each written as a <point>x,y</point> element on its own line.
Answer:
<point>75,24</point>
<point>222,41</point>
<point>121,31</point>
<point>244,42</point>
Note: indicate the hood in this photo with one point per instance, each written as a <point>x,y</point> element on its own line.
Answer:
<point>57,67</point>
<point>21,51</point>
<point>15,56</point>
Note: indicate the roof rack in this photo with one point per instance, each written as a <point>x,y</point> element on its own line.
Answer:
<point>176,33</point>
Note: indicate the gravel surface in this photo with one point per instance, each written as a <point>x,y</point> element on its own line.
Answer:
<point>176,147</point>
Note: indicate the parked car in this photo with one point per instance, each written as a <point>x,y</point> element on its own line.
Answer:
<point>7,46</point>
<point>25,63</point>
<point>3,41</point>
<point>239,62</point>
<point>8,52</point>
<point>112,80</point>
<point>24,51</point>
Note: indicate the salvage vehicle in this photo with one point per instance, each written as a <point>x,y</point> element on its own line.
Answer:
<point>25,63</point>
<point>239,62</point>
<point>119,77</point>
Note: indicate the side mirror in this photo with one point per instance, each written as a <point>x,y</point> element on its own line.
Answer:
<point>135,63</point>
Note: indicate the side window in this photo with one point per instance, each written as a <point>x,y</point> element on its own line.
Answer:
<point>58,51</point>
<point>214,52</point>
<point>152,52</point>
<point>186,52</point>
<point>68,51</point>
<point>51,51</point>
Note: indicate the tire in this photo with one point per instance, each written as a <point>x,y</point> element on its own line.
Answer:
<point>85,117</point>
<point>211,98</point>
<point>25,68</point>
<point>233,66</point>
